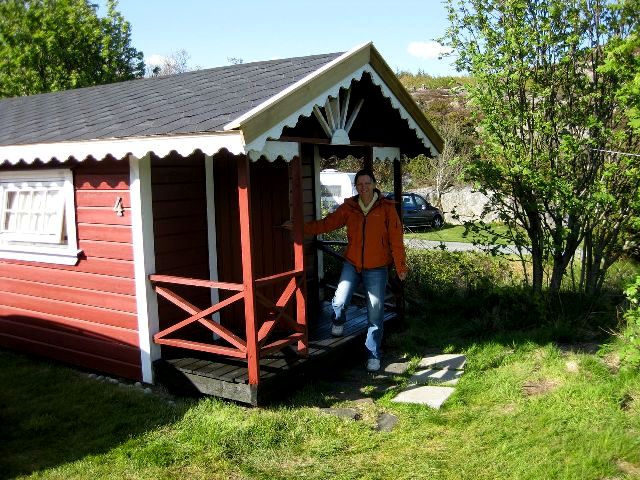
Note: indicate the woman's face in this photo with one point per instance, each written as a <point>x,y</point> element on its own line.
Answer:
<point>365,186</point>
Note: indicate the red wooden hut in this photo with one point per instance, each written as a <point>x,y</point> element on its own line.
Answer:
<point>140,218</point>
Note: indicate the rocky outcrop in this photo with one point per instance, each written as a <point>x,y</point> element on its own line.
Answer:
<point>465,202</point>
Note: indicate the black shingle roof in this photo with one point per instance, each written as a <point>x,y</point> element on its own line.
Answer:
<point>194,102</point>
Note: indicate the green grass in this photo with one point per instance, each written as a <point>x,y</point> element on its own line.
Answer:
<point>583,423</point>
<point>456,233</point>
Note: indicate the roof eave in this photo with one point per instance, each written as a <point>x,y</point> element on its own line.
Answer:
<point>161,145</point>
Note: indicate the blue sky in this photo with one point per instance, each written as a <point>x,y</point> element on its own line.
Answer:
<point>212,31</point>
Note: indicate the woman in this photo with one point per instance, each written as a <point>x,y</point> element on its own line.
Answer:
<point>374,235</point>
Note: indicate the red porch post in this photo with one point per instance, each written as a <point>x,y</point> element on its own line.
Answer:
<point>244,199</point>
<point>298,251</point>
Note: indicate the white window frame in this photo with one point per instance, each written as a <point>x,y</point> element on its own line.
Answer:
<point>27,246</point>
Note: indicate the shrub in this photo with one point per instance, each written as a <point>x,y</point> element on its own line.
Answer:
<point>629,335</point>
<point>444,273</point>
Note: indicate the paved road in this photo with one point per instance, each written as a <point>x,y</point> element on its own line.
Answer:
<point>453,246</point>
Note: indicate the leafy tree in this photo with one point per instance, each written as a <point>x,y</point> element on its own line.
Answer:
<point>547,117</point>
<point>49,45</point>
<point>623,59</point>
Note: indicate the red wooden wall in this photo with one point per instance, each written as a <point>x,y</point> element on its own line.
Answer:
<point>180,231</point>
<point>272,246</point>
<point>83,314</point>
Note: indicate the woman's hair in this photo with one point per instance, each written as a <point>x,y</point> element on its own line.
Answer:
<point>362,173</point>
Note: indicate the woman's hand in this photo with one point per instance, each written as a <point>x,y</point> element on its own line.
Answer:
<point>402,276</point>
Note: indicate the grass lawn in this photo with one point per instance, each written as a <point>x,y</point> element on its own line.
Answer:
<point>524,409</point>
<point>455,233</point>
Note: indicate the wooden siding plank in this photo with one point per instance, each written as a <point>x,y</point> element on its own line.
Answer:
<point>181,191</point>
<point>67,278</point>
<point>117,268</point>
<point>175,174</point>
<point>101,215</point>
<point>183,209</point>
<point>104,266</point>
<point>102,198</point>
<point>112,250</point>
<point>182,258</point>
<point>72,339</point>
<point>45,320</point>
<point>113,301</point>
<point>192,271</point>
<point>65,309</point>
<point>83,359</point>
<point>106,233</point>
<point>170,243</point>
<point>173,226</point>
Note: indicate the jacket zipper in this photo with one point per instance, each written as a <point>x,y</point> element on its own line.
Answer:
<point>364,228</point>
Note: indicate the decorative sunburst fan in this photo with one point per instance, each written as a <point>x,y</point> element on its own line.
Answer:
<point>334,121</point>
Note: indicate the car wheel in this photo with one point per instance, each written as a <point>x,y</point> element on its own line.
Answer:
<point>437,221</point>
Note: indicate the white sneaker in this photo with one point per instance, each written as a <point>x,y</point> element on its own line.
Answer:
<point>373,365</point>
<point>337,330</point>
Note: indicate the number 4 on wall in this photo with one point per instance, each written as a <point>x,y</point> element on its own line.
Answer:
<point>118,208</point>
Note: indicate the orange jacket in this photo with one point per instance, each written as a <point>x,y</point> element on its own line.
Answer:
<point>374,240</point>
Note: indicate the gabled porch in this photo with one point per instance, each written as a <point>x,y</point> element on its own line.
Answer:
<point>259,318</point>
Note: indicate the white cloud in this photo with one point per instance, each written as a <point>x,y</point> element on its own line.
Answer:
<point>156,59</point>
<point>427,50</point>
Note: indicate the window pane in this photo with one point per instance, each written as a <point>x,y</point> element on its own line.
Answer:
<point>23,222</point>
<point>39,199</point>
<point>421,203</point>
<point>34,222</point>
<point>10,222</point>
<point>24,204</point>
<point>12,200</point>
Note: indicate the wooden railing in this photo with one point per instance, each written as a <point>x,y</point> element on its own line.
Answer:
<point>237,347</point>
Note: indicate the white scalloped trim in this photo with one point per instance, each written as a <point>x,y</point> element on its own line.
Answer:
<point>273,150</point>
<point>307,110</point>
<point>185,145</point>
<point>386,153</point>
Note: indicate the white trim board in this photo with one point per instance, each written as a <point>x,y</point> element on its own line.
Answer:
<point>185,145</point>
<point>144,262</point>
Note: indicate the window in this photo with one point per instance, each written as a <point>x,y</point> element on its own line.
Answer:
<point>330,190</point>
<point>37,216</point>
<point>407,201</point>
<point>422,204</point>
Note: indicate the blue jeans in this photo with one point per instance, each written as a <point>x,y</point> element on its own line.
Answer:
<point>375,283</point>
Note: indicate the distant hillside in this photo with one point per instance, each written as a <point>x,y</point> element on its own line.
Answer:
<point>443,99</point>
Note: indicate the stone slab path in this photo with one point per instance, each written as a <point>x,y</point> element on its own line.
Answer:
<point>431,385</point>
<point>434,380</point>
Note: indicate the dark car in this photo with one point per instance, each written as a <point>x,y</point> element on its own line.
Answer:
<point>417,212</point>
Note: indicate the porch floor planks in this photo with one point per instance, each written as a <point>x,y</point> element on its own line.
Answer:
<point>228,377</point>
